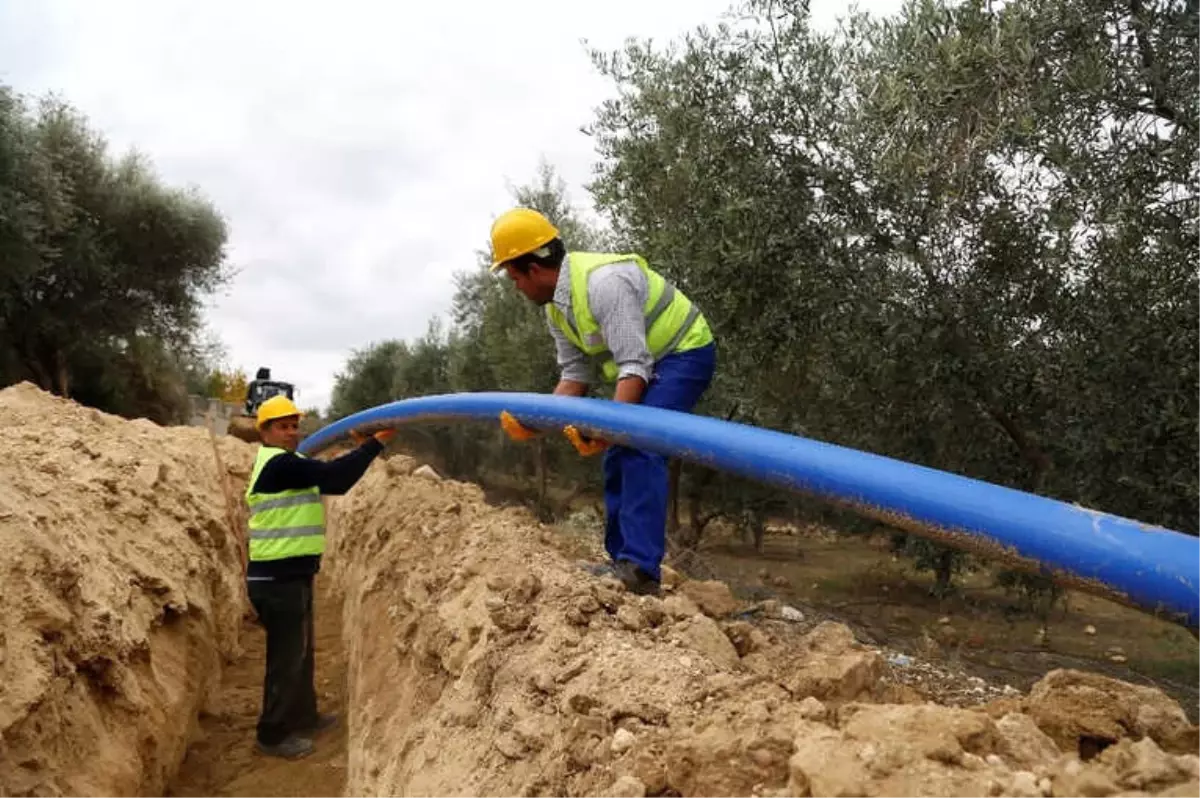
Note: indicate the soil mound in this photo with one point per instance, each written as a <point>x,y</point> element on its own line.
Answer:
<point>121,593</point>
<point>481,661</point>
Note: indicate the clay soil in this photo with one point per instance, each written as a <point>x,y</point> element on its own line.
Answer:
<point>486,662</point>
<point>223,761</point>
<point>121,591</point>
<point>468,654</point>
<point>978,628</point>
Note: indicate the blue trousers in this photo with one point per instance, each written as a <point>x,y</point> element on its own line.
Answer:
<point>635,481</point>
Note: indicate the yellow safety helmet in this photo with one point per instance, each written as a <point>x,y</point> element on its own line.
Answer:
<point>275,407</point>
<point>518,232</point>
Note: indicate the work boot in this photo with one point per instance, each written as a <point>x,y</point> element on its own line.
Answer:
<point>324,721</point>
<point>291,747</point>
<point>636,580</point>
<point>600,569</point>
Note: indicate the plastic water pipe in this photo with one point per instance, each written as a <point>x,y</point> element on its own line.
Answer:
<point>1148,567</point>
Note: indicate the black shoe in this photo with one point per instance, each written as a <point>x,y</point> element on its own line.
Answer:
<point>291,747</point>
<point>636,580</point>
<point>600,569</point>
<point>324,721</point>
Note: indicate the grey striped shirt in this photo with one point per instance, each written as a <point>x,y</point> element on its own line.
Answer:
<point>617,297</point>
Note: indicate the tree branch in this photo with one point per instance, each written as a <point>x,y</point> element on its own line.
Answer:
<point>1157,96</point>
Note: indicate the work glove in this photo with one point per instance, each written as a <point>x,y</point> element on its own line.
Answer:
<point>383,436</point>
<point>515,429</point>
<point>583,444</point>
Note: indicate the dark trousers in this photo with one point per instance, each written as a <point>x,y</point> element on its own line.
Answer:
<point>289,701</point>
<point>635,481</point>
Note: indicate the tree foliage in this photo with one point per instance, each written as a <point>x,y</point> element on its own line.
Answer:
<point>496,340</point>
<point>104,267</point>
<point>964,235</point>
<point>228,385</point>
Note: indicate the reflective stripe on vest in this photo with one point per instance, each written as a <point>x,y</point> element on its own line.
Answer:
<point>290,523</point>
<point>673,323</point>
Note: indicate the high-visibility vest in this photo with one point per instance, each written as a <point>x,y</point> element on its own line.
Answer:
<point>673,323</point>
<point>290,523</point>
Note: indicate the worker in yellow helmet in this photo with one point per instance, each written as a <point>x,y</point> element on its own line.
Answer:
<point>286,540</point>
<point>613,313</point>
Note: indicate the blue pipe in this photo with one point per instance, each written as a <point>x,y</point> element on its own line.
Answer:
<point>1147,567</point>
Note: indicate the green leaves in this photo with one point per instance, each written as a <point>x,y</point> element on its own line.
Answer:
<point>964,236</point>
<point>104,267</point>
<point>938,236</point>
<point>498,340</point>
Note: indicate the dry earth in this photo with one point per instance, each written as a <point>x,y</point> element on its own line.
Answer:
<point>474,656</point>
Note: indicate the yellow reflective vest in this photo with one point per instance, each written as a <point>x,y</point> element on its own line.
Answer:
<point>286,524</point>
<point>673,323</point>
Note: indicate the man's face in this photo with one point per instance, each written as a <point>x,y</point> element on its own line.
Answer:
<point>537,284</point>
<point>282,433</point>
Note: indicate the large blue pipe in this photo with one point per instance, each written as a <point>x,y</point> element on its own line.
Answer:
<point>1148,567</point>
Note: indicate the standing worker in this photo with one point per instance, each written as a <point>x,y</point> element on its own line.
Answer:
<point>613,312</point>
<point>287,538</point>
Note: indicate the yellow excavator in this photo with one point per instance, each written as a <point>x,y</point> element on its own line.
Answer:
<point>261,389</point>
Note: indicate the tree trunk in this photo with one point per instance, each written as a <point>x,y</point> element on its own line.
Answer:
<point>959,346</point>
<point>944,570</point>
<point>674,469</point>
<point>1039,462</point>
<point>62,375</point>
<point>542,471</point>
<point>39,373</point>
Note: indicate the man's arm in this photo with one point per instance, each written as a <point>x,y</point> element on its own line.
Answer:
<point>572,363</point>
<point>630,390</point>
<point>291,472</point>
<point>617,294</point>
<point>570,388</point>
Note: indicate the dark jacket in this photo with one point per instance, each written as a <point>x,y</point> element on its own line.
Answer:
<point>291,472</point>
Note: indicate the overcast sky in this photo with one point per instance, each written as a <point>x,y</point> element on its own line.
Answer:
<point>358,154</point>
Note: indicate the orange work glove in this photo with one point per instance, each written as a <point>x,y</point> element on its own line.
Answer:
<point>515,429</point>
<point>584,445</point>
<point>383,436</point>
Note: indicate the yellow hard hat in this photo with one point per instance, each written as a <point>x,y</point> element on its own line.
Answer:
<point>275,407</point>
<point>518,232</point>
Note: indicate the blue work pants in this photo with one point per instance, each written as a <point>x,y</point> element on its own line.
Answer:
<point>635,481</point>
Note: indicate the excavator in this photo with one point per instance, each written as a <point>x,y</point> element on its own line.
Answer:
<point>261,389</point>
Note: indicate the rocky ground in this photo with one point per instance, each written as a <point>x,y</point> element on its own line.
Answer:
<point>471,655</point>
<point>121,598</point>
<point>487,662</point>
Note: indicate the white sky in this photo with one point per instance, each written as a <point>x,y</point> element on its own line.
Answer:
<point>358,154</point>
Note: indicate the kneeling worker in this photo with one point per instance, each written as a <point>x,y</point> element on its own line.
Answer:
<point>287,538</point>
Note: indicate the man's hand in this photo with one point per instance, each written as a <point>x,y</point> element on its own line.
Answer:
<point>570,388</point>
<point>584,445</point>
<point>630,390</point>
<point>383,436</point>
<point>515,429</point>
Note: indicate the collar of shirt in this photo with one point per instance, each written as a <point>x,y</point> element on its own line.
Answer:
<point>562,288</point>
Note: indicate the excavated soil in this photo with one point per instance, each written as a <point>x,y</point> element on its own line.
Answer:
<point>482,661</point>
<point>475,657</point>
<point>121,594</point>
<point>223,760</point>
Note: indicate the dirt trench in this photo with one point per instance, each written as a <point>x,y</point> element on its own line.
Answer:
<point>222,760</point>
<point>482,661</point>
<point>121,594</point>
<point>474,658</point>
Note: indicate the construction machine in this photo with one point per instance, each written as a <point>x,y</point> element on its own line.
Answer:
<point>260,390</point>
